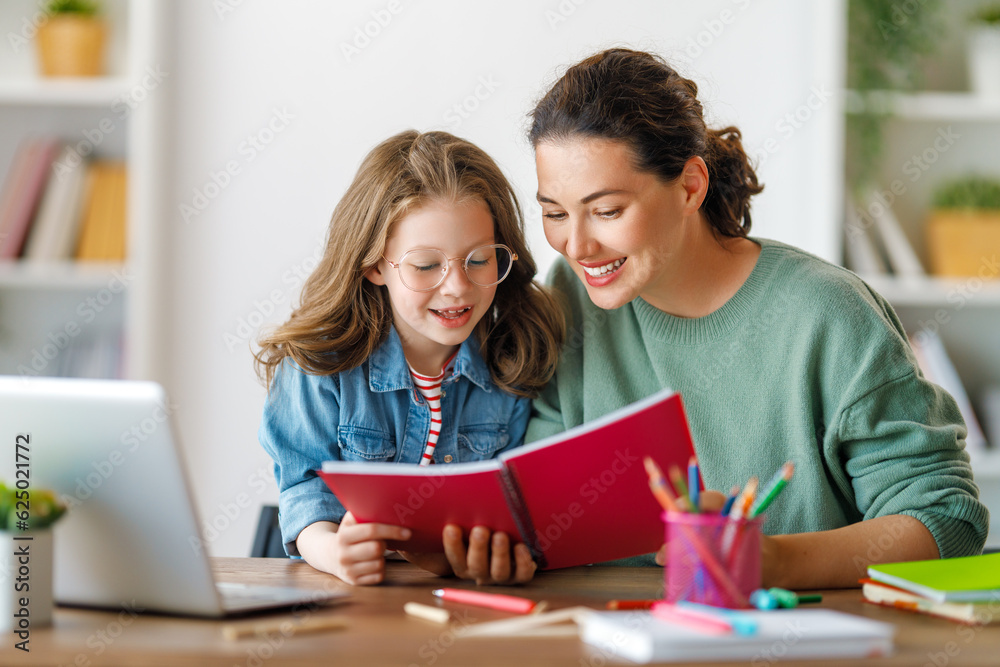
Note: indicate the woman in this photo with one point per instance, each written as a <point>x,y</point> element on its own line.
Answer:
<point>779,355</point>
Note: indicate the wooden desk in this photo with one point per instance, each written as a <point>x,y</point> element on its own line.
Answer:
<point>380,634</point>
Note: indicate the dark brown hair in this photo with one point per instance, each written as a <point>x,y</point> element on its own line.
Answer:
<point>344,317</point>
<point>636,97</point>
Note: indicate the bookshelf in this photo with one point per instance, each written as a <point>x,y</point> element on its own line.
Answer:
<point>934,136</point>
<point>70,317</point>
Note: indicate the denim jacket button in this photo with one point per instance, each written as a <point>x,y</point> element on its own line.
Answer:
<point>447,458</point>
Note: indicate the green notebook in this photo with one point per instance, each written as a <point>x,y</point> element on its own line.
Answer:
<point>968,579</point>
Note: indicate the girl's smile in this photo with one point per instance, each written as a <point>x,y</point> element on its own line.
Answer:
<point>453,318</point>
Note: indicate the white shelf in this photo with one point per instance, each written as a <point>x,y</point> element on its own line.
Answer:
<point>937,292</point>
<point>37,299</point>
<point>97,92</point>
<point>931,106</point>
<point>84,276</point>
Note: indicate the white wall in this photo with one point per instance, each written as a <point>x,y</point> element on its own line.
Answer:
<point>283,63</point>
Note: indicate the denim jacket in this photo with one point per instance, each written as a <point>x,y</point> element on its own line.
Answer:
<point>374,413</point>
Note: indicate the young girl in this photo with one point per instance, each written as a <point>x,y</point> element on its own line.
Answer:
<point>419,339</point>
<point>779,355</point>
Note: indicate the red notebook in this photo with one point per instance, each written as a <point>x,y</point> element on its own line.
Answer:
<point>579,497</point>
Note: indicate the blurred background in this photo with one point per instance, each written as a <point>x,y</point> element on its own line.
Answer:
<point>169,170</point>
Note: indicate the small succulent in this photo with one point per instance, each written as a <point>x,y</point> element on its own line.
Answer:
<point>988,14</point>
<point>83,7</point>
<point>43,508</point>
<point>972,192</point>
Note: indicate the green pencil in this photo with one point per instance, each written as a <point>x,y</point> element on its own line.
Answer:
<point>774,487</point>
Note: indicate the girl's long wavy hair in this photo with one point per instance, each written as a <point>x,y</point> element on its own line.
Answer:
<point>637,98</point>
<point>343,317</point>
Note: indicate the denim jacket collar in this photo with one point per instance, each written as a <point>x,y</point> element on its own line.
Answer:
<point>388,370</point>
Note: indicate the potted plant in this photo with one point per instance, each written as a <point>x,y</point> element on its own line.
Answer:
<point>887,42</point>
<point>26,518</point>
<point>963,232</point>
<point>984,50</point>
<point>71,41</point>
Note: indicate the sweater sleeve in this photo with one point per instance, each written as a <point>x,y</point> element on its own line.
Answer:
<point>902,446</point>
<point>299,431</point>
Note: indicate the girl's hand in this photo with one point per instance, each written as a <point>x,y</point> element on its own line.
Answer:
<point>488,559</point>
<point>354,551</point>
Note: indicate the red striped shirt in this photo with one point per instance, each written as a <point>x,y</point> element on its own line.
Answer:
<point>430,389</point>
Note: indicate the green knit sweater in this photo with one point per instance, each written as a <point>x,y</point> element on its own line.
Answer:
<point>805,363</point>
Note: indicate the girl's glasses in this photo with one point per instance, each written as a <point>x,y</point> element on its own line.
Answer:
<point>424,269</point>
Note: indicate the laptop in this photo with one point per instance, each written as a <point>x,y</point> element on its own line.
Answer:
<point>131,536</point>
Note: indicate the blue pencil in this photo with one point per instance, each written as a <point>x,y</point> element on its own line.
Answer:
<point>735,491</point>
<point>693,484</point>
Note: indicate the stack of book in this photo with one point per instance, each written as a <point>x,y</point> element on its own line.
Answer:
<point>57,206</point>
<point>962,589</point>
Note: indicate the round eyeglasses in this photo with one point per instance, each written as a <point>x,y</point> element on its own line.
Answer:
<point>424,269</point>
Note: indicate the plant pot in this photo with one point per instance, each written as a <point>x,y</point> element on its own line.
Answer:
<point>984,60</point>
<point>25,581</point>
<point>963,242</point>
<point>70,45</point>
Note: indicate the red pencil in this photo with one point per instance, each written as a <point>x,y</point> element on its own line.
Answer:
<point>631,604</point>
<point>509,603</point>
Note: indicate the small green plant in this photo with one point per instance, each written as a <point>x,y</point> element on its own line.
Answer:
<point>83,7</point>
<point>972,192</point>
<point>43,508</point>
<point>887,42</point>
<point>988,14</point>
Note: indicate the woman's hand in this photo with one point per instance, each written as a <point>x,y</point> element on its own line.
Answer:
<point>488,559</point>
<point>354,551</point>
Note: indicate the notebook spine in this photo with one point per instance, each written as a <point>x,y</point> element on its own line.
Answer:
<point>519,511</point>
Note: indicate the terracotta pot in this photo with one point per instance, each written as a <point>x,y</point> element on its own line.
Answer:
<point>963,242</point>
<point>72,45</point>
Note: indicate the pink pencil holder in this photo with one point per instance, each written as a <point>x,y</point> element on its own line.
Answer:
<point>712,559</point>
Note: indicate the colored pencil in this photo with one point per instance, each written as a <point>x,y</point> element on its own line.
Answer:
<point>511,603</point>
<point>694,485</point>
<point>659,488</point>
<point>772,489</point>
<point>701,621</point>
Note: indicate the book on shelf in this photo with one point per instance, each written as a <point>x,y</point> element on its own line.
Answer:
<point>800,633</point>
<point>554,495</point>
<point>978,613</point>
<point>965,579</point>
<point>902,259</point>
<point>23,188</point>
<point>937,367</point>
<point>54,232</point>
<point>862,254</point>
<point>102,231</point>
